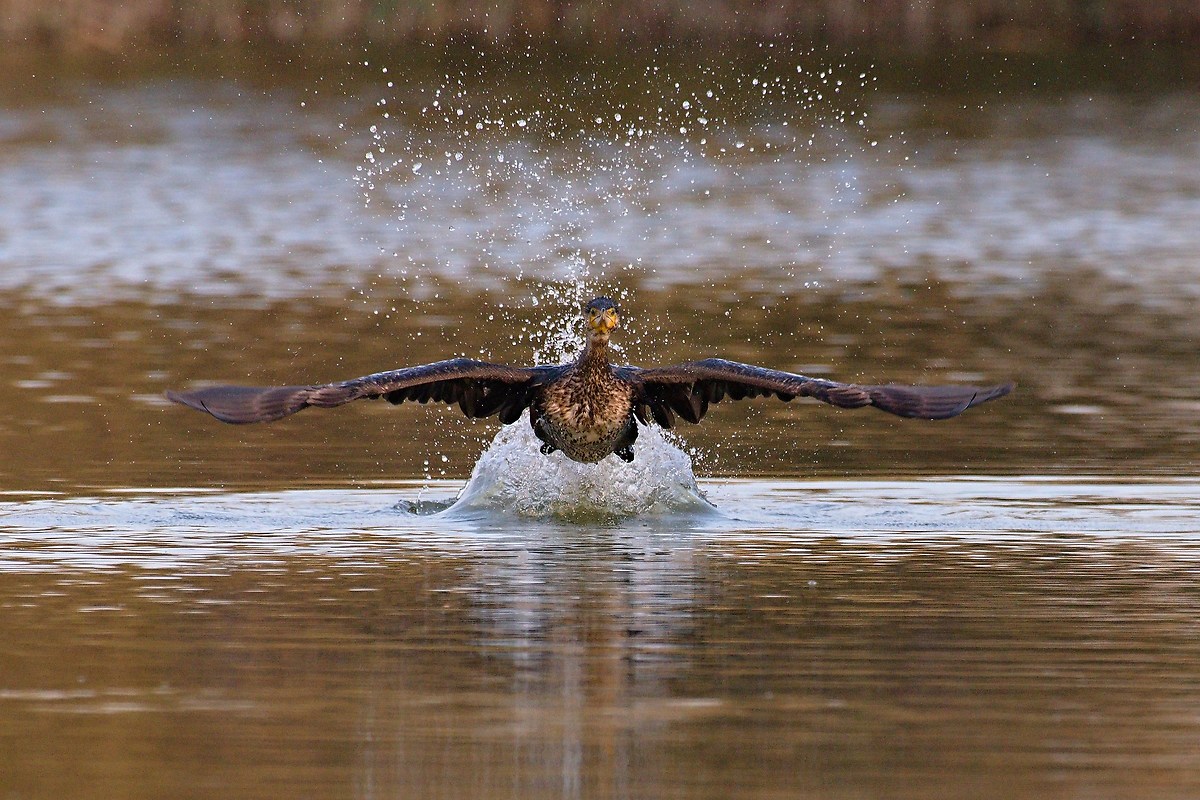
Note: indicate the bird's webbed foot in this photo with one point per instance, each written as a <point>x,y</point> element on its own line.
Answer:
<point>539,430</point>
<point>625,451</point>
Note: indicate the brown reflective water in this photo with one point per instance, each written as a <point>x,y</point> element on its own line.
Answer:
<point>837,639</point>
<point>845,605</point>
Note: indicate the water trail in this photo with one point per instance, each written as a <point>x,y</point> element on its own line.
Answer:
<point>513,476</point>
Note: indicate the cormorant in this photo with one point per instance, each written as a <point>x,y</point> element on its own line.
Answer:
<point>588,408</point>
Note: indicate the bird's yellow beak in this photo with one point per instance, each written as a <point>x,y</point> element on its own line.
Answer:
<point>605,321</point>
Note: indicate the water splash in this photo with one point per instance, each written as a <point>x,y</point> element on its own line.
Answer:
<point>528,185</point>
<point>513,476</point>
<point>570,180</point>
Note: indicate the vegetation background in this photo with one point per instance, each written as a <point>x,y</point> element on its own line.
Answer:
<point>1010,25</point>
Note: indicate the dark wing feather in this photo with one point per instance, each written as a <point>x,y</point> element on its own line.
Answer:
<point>687,390</point>
<point>480,389</point>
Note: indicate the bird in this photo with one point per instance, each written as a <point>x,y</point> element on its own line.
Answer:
<point>589,408</point>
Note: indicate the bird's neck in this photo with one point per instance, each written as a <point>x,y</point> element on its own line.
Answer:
<point>594,356</point>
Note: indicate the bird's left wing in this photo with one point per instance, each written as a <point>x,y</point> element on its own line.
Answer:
<point>688,389</point>
<point>480,389</point>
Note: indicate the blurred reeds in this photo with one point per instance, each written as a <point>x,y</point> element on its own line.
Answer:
<point>916,25</point>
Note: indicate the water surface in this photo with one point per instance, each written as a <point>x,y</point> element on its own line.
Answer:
<point>841,604</point>
<point>835,638</point>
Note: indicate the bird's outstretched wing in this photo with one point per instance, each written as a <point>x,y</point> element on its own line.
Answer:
<point>480,389</point>
<point>688,389</point>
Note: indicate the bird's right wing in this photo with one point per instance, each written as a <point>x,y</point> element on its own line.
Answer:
<point>480,389</point>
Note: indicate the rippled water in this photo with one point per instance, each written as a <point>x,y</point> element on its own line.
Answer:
<point>787,600</point>
<point>839,638</point>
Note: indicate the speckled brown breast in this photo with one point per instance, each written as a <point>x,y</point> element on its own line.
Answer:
<point>587,414</point>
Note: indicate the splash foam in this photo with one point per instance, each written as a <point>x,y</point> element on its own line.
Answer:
<point>513,476</point>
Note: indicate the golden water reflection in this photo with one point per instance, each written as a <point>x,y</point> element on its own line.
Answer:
<point>629,660</point>
<point>189,609</point>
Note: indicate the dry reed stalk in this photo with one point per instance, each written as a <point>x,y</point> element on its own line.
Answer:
<point>907,24</point>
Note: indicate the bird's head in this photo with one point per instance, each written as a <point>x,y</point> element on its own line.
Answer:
<point>603,317</point>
